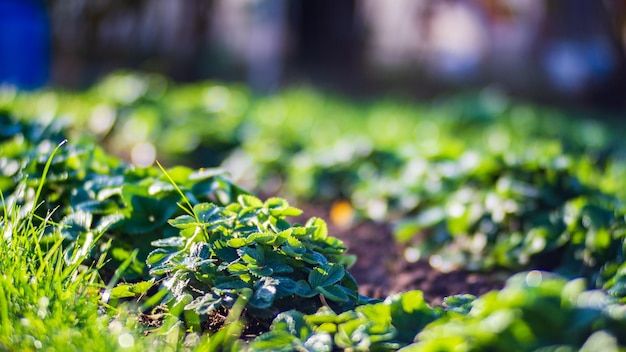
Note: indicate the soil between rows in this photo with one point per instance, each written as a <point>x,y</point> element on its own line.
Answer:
<point>381,269</point>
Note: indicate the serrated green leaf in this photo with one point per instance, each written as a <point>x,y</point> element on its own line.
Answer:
<point>262,237</point>
<point>321,229</point>
<point>304,290</point>
<point>122,291</point>
<point>313,257</point>
<point>326,275</point>
<point>250,201</point>
<point>260,270</point>
<point>206,212</point>
<point>142,287</point>
<point>333,293</point>
<point>281,237</point>
<point>76,224</point>
<point>205,304</point>
<point>275,203</point>
<point>183,222</point>
<point>286,286</point>
<point>237,242</point>
<point>108,221</point>
<point>294,246</point>
<point>237,268</point>
<point>146,213</point>
<point>176,242</point>
<point>158,256</point>
<point>291,211</point>
<point>280,224</point>
<point>264,293</point>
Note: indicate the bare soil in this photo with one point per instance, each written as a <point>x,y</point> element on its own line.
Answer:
<point>381,268</point>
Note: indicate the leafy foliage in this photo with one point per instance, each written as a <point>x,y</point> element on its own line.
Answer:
<point>95,190</point>
<point>249,246</point>
<point>480,183</point>
<point>521,215</point>
<point>534,311</point>
<point>383,326</point>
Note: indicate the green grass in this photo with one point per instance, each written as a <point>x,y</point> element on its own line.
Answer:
<point>50,300</point>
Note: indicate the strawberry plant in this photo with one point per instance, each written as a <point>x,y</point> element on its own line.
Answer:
<point>535,311</point>
<point>95,190</point>
<point>248,247</point>
<point>382,326</point>
<point>520,215</point>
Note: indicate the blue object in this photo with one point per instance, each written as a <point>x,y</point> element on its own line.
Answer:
<point>24,43</point>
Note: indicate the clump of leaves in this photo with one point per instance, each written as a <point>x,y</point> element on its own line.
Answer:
<point>249,247</point>
<point>94,190</point>
<point>535,311</point>
<point>521,215</point>
<point>383,326</point>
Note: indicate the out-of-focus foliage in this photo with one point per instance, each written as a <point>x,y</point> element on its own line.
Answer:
<point>476,180</point>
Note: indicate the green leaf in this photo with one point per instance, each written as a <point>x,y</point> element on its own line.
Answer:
<point>293,247</point>
<point>286,286</point>
<point>179,174</point>
<point>333,293</point>
<point>410,313</point>
<point>158,256</point>
<point>250,201</point>
<point>122,291</point>
<point>319,341</point>
<point>276,340</point>
<point>326,275</point>
<point>293,322</point>
<point>291,211</point>
<point>177,242</point>
<point>206,212</point>
<point>183,222</point>
<point>262,237</point>
<point>315,258</point>
<point>205,304</point>
<point>279,207</point>
<point>237,242</point>
<point>276,204</point>
<point>146,213</point>
<point>321,229</point>
<point>131,290</point>
<point>76,224</point>
<point>459,303</point>
<point>142,287</point>
<point>264,293</point>
<point>237,268</point>
<point>304,290</point>
<point>108,221</point>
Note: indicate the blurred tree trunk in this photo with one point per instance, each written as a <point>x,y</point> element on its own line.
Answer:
<point>329,38</point>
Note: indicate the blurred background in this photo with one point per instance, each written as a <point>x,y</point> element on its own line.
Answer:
<point>564,52</point>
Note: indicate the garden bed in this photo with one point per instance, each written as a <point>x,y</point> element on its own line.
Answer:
<point>382,269</point>
<point>446,227</point>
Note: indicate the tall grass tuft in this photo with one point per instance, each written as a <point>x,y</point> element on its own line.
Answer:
<point>49,300</point>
